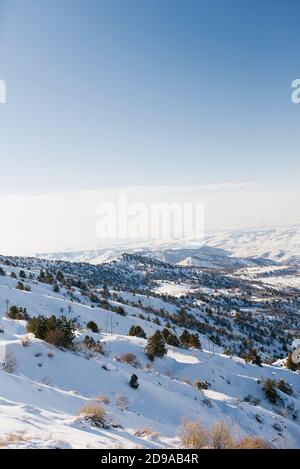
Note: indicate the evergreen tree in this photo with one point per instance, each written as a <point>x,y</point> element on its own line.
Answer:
<point>285,387</point>
<point>105,292</point>
<point>137,331</point>
<point>60,276</point>
<point>170,338</point>
<point>134,383</point>
<point>156,346</point>
<point>269,389</point>
<point>253,357</point>
<point>194,341</point>
<point>185,338</point>
<point>17,313</point>
<point>44,328</point>
<point>92,326</point>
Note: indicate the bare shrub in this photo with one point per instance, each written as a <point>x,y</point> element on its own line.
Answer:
<point>221,436</point>
<point>122,402</point>
<point>193,435</point>
<point>12,439</point>
<point>250,442</point>
<point>102,399</point>
<point>94,413</point>
<point>56,337</point>
<point>146,433</point>
<point>201,385</point>
<point>130,359</point>
<point>10,364</point>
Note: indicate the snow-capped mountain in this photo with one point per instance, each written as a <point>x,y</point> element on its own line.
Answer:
<point>227,249</point>
<point>45,387</point>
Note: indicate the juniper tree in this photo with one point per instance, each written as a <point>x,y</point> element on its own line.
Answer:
<point>134,383</point>
<point>156,346</point>
<point>137,331</point>
<point>170,338</point>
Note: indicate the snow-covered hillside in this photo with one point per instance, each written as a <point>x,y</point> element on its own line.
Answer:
<point>43,387</point>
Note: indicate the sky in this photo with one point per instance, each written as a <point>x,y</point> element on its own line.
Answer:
<point>104,95</point>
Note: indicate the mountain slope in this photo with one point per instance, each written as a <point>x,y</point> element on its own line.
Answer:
<point>41,397</point>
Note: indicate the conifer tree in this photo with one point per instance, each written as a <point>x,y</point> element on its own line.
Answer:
<point>134,383</point>
<point>156,346</point>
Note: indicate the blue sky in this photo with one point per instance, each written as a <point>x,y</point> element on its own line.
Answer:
<point>111,93</point>
<point>120,92</point>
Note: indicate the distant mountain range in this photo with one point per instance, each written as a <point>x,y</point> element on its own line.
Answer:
<point>226,249</point>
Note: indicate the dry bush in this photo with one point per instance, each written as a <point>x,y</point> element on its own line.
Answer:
<point>146,432</point>
<point>10,364</point>
<point>201,385</point>
<point>50,355</point>
<point>95,413</point>
<point>193,435</point>
<point>221,436</point>
<point>122,402</point>
<point>148,366</point>
<point>12,439</point>
<point>250,442</point>
<point>56,338</point>
<point>102,399</point>
<point>130,359</point>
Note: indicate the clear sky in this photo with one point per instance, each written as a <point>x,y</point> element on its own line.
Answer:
<point>110,93</point>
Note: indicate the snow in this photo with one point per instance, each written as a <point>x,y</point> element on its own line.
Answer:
<point>40,401</point>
